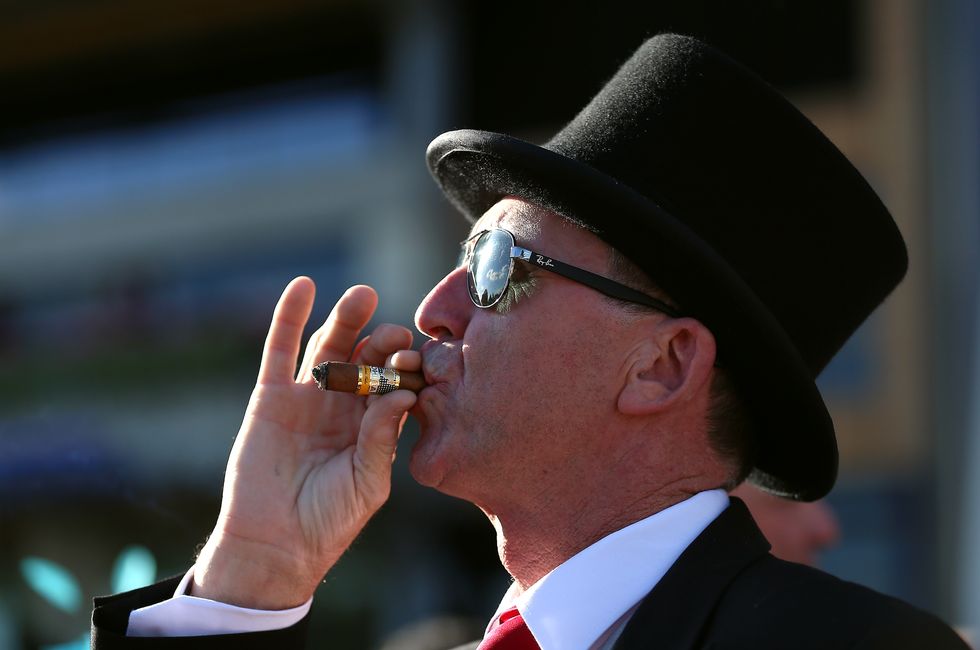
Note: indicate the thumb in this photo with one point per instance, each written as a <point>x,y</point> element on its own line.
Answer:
<point>380,427</point>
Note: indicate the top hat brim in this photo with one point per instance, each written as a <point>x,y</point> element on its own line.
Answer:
<point>796,451</point>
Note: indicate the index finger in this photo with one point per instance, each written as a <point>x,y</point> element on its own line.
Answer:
<point>286,331</point>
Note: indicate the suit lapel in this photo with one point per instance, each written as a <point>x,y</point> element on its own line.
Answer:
<point>674,613</point>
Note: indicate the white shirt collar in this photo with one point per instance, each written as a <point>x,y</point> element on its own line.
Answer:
<point>578,601</point>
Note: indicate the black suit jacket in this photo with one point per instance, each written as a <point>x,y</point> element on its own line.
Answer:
<point>725,591</point>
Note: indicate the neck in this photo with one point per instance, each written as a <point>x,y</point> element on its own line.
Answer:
<point>535,537</point>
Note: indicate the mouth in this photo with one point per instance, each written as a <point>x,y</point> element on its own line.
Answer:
<point>431,367</point>
<point>430,376</point>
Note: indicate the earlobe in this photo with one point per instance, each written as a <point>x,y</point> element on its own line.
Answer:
<point>669,367</point>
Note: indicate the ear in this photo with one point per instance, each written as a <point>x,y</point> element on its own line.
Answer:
<point>670,366</point>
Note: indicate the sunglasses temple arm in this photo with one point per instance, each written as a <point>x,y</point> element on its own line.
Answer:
<point>597,282</point>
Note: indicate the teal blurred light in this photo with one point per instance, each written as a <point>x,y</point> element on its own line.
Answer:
<point>53,582</point>
<point>135,567</point>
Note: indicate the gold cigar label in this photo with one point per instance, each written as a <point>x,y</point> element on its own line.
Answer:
<point>365,380</point>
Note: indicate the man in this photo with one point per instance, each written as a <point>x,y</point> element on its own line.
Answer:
<point>642,309</point>
<point>797,531</point>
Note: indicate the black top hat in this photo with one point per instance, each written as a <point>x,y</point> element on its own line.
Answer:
<point>733,202</point>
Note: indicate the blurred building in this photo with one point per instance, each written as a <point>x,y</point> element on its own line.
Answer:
<point>165,169</point>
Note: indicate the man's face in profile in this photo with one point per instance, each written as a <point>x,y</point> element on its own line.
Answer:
<point>514,401</point>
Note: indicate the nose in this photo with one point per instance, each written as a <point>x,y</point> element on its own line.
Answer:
<point>447,309</point>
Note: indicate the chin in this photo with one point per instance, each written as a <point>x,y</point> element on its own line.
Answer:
<point>431,467</point>
<point>443,457</point>
<point>423,472</point>
<point>425,464</point>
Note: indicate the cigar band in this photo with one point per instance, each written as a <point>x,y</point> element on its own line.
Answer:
<point>363,380</point>
<point>384,380</point>
<point>377,381</point>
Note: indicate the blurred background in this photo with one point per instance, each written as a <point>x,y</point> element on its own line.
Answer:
<point>166,168</point>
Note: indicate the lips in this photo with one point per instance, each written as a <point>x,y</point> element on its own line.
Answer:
<point>438,360</point>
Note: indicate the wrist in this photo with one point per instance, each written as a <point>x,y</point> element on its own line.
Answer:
<point>240,574</point>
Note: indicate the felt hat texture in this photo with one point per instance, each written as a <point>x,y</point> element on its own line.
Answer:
<point>736,205</point>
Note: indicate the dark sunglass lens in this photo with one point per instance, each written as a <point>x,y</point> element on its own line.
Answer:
<point>489,268</point>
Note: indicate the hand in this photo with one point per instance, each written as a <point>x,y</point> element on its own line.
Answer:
<point>309,467</point>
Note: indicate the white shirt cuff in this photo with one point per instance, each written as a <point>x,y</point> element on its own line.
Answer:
<point>185,615</point>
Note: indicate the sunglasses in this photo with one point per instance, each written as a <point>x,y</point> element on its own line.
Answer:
<point>489,257</point>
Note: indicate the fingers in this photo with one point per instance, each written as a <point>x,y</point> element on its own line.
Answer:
<point>286,331</point>
<point>408,360</point>
<point>376,444</point>
<point>335,339</point>
<point>384,340</point>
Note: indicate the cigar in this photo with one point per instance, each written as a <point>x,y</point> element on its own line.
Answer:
<point>365,380</point>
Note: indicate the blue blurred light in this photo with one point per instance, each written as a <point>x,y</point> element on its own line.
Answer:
<point>53,582</point>
<point>135,567</point>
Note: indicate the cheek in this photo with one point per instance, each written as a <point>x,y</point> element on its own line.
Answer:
<point>550,367</point>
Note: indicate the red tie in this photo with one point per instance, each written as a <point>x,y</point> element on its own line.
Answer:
<point>509,632</point>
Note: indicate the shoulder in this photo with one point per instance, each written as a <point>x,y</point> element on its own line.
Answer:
<point>772,601</point>
<point>726,592</point>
